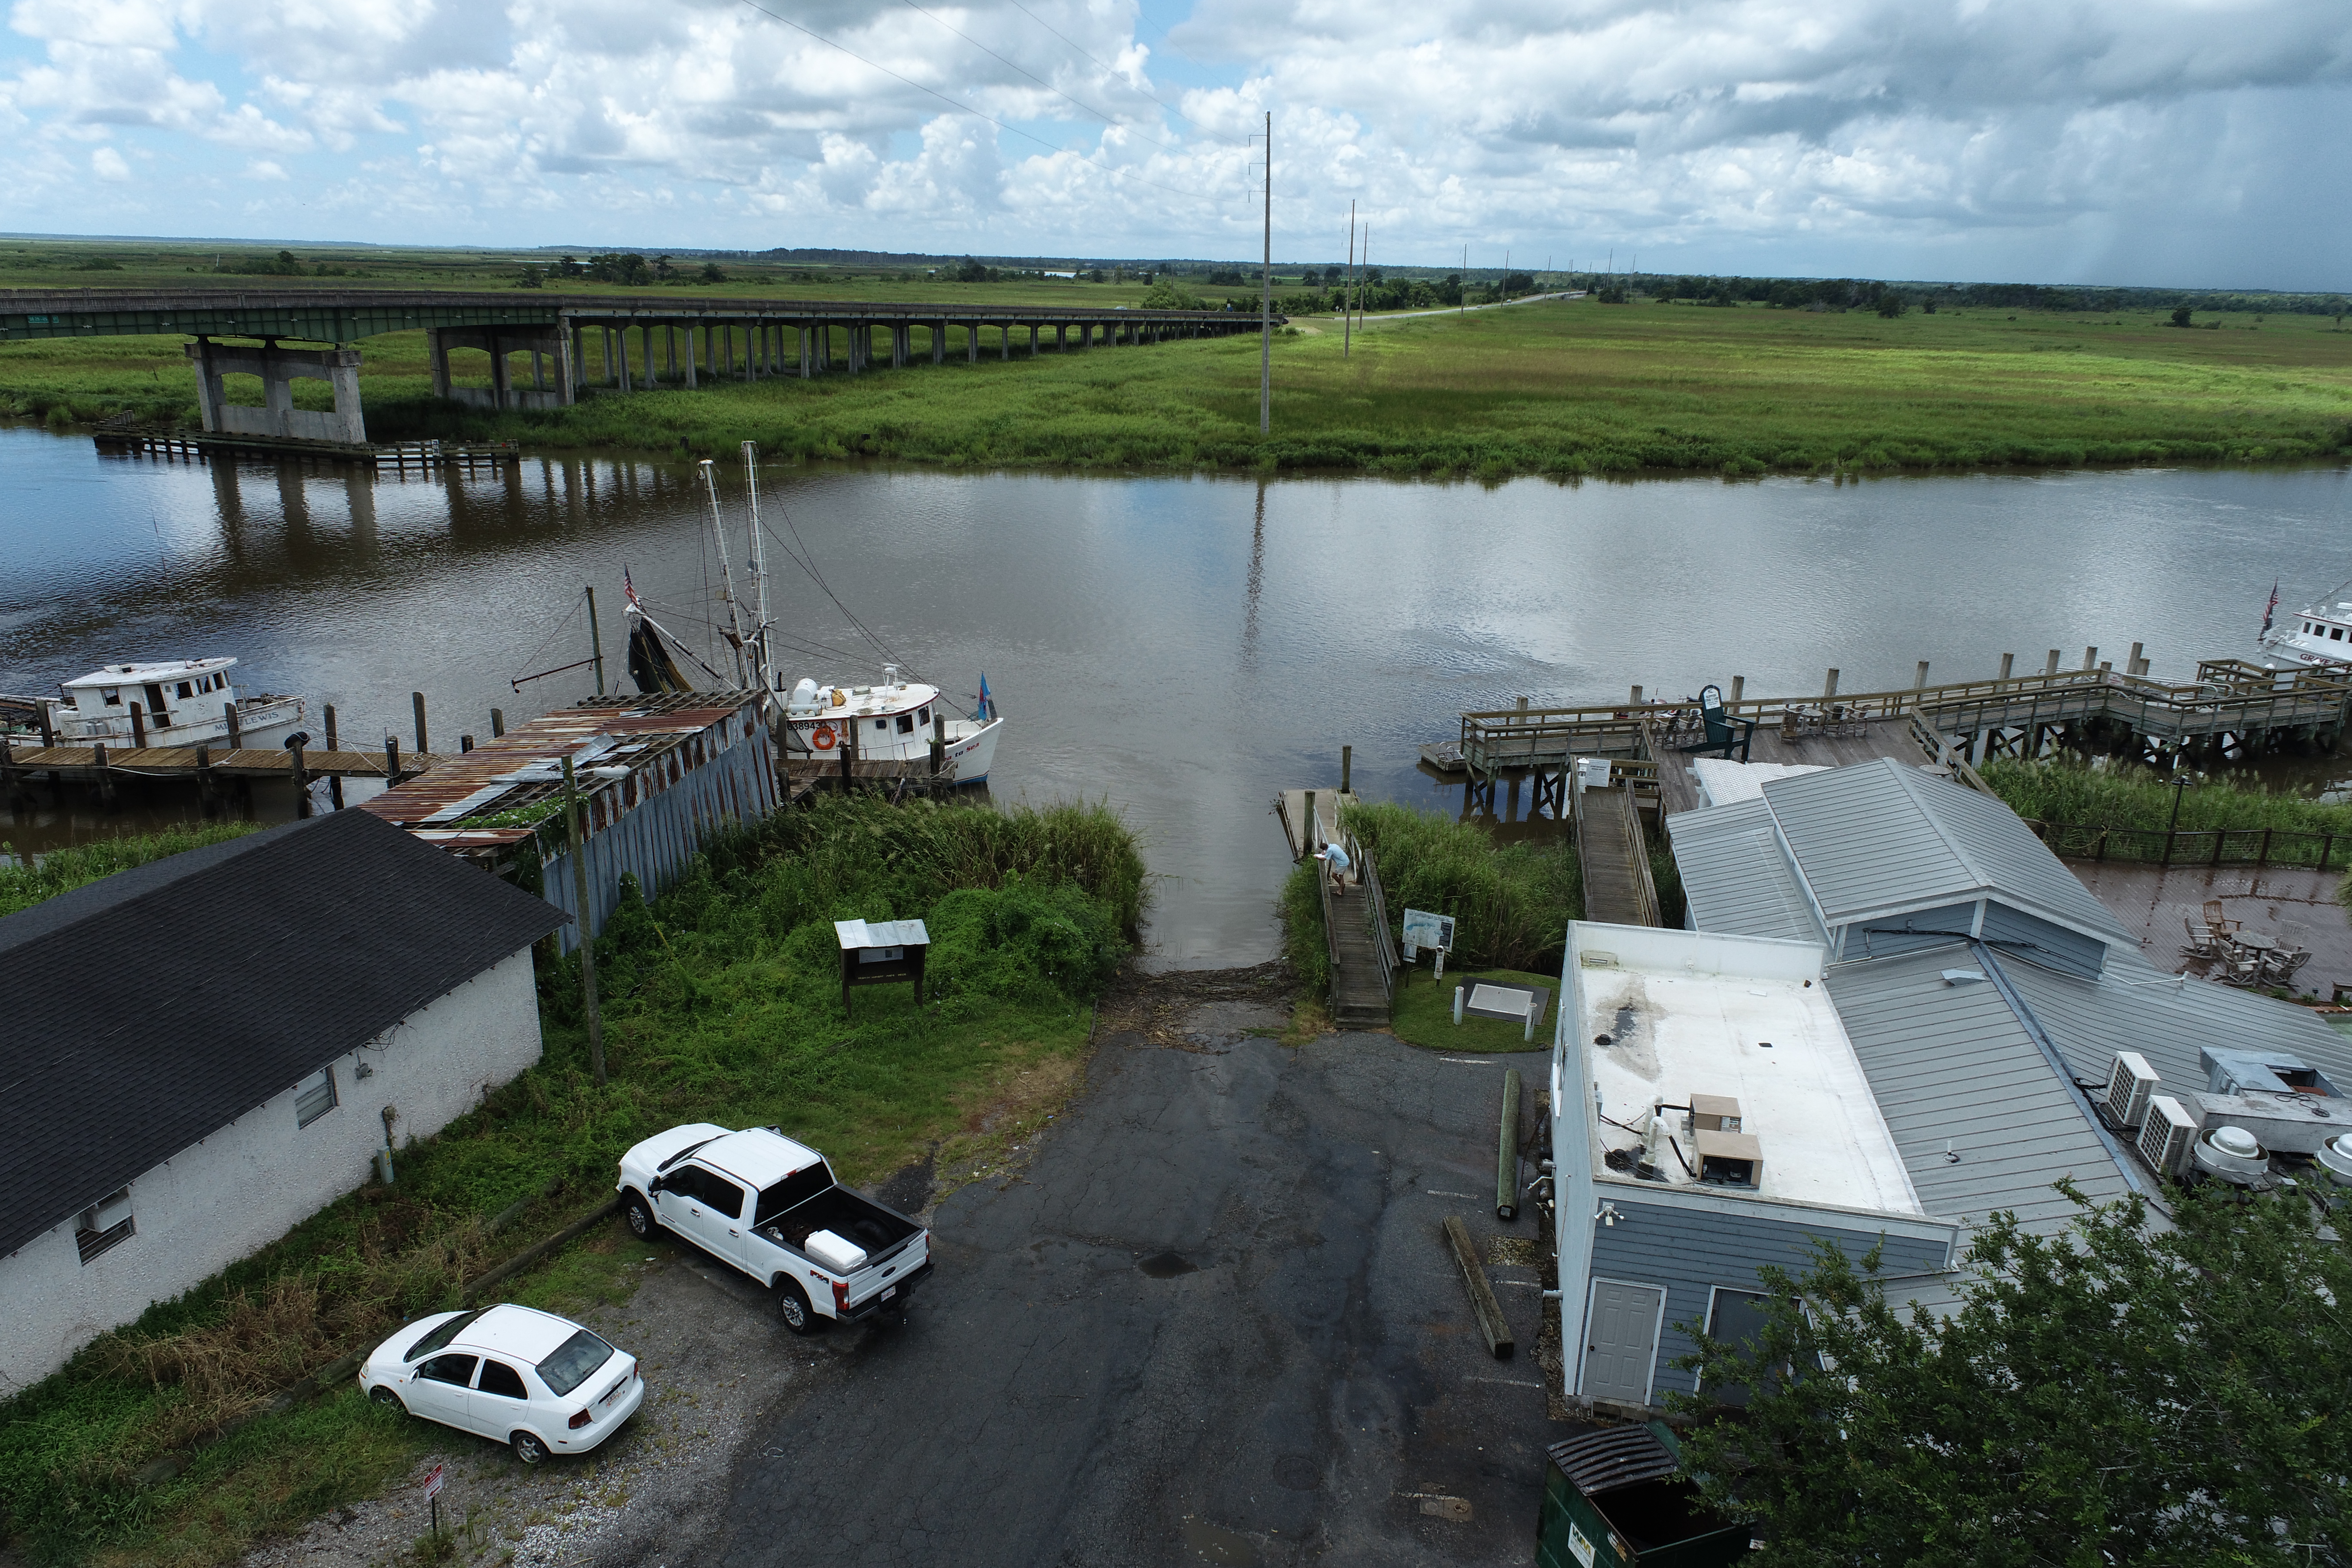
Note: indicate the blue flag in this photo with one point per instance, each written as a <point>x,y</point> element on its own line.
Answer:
<point>987,703</point>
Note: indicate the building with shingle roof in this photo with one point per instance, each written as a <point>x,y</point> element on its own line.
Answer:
<point>204,1050</point>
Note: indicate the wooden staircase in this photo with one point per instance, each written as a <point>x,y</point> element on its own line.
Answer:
<point>1614,855</point>
<point>1363,955</point>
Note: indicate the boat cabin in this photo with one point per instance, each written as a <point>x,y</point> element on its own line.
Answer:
<point>175,694</point>
<point>2320,634</point>
<point>885,718</point>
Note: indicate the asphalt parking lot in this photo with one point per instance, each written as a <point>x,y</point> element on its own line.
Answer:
<point>1213,1321</point>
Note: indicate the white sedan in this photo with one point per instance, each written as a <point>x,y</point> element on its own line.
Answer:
<point>531,1380</point>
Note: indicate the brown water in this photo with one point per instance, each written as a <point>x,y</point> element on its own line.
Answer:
<point>1181,646</point>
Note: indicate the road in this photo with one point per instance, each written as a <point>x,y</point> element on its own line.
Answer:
<point>1363,323</point>
<point>1214,1322</point>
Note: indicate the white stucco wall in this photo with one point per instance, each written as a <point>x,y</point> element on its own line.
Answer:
<point>245,1186</point>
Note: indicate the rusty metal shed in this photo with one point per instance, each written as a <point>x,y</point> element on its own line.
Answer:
<point>658,775</point>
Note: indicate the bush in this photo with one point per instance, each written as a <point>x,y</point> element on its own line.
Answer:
<point>1511,903</point>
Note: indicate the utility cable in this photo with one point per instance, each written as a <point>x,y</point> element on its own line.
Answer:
<point>1032,76</point>
<point>967,108</point>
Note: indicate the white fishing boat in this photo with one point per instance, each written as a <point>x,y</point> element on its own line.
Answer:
<point>896,721</point>
<point>2320,635</point>
<point>172,702</point>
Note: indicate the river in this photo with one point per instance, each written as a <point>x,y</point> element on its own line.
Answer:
<point>1181,647</point>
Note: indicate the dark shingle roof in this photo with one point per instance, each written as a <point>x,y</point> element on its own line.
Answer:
<point>150,1009</point>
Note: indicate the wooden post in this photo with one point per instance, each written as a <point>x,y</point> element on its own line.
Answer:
<point>1347,767</point>
<point>105,780</point>
<point>1306,833</point>
<point>334,781</point>
<point>204,786</point>
<point>7,770</point>
<point>301,780</point>
<point>2051,667</point>
<point>2132,664</point>
<point>1739,686</point>
<point>391,761</point>
<point>1919,681</point>
<point>1507,1157</point>
<point>48,731</point>
<point>499,715</point>
<point>1829,687</point>
<point>1637,697</point>
<point>236,734</point>
<point>2091,657</point>
<point>465,745</point>
<point>138,727</point>
<point>848,752</point>
<point>939,741</point>
<point>2008,663</point>
<point>576,831</point>
<point>417,700</point>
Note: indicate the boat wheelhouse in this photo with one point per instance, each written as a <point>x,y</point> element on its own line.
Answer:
<point>894,720</point>
<point>2318,635</point>
<point>170,702</point>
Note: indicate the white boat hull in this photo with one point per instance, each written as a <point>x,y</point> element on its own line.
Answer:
<point>262,725</point>
<point>970,746</point>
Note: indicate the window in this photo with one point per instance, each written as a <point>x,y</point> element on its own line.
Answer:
<point>723,1195</point>
<point>2335,634</point>
<point>924,716</point>
<point>905,723</point>
<point>573,1360</point>
<point>113,695</point>
<point>188,689</point>
<point>453,1368</point>
<point>314,1097</point>
<point>882,723</point>
<point>105,1224</point>
<point>442,1335</point>
<point>502,1380</point>
<point>793,1191</point>
<point>686,1182</point>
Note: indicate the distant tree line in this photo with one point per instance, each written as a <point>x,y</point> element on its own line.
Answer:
<point>1891,298</point>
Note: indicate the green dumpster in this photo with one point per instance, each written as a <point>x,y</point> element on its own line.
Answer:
<point>1612,1500</point>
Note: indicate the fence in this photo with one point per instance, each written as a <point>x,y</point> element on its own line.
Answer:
<point>2191,846</point>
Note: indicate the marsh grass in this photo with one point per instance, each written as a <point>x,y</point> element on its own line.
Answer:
<point>722,1002</point>
<point>2070,793</point>
<point>21,885</point>
<point>1562,389</point>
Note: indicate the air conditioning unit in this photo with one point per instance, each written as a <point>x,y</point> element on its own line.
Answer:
<point>2130,1082</point>
<point>2166,1137</point>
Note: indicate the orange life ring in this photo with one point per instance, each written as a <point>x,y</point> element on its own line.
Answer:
<point>821,737</point>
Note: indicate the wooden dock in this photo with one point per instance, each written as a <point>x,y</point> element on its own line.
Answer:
<point>804,778</point>
<point>1614,855</point>
<point>1290,805</point>
<point>401,457</point>
<point>81,764</point>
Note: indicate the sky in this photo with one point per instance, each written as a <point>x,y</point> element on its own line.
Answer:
<point>2166,143</point>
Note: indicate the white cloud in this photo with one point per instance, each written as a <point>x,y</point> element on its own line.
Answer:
<point>2116,137</point>
<point>108,164</point>
<point>265,169</point>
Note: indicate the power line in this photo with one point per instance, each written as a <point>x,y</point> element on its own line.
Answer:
<point>965,107</point>
<point>1082,49</point>
<point>1032,76</point>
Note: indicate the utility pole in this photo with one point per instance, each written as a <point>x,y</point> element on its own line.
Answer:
<point>577,832</point>
<point>1347,290</point>
<point>1265,306</point>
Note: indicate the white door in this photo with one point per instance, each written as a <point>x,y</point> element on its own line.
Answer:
<point>500,1402</point>
<point>1621,1340</point>
<point>439,1393</point>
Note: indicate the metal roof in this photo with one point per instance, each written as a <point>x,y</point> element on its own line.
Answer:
<point>1618,1457</point>
<point>1736,875</point>
<point>1881,838</point>
<point>611,741</point>
<point>1955,1072</point>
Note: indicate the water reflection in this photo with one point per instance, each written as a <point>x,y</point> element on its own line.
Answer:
<point>1181,647</point>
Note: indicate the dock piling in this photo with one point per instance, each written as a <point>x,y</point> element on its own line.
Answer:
<point>2008,663</point>
<point>105,779</point>
<point>235,731</point>
<point>138,727</point>
<point>1348,759</point>
<point>1637,697</point>
<point>204,785</point>
<point>417,700</point>
<point>1306,828</point>
<point>334,781</point>
<point>7,770</point>
<point>302,783</point>
<point>465,743</point>
<point>2091,658</point>
<point>1739,687</point>
<point>939,741</point>
<point>391,761</point>
<point>2051,667</point>
<point>1829,687</point>
<point>499,715</point>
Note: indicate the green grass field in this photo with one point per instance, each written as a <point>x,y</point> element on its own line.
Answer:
<point>1422,1011</point>
<point>1563,388</point>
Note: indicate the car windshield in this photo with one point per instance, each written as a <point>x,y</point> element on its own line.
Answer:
<point>792,1191</point>
<point>573,1360</point>
<point>442,1335</point>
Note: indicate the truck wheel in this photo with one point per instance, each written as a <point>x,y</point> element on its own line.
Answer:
<point>640,1216</point>
<point>793,1308</point>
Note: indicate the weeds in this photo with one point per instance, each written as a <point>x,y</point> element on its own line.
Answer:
<point>1511,903</point>
<point>23,886</point>
<point>2068,793</point>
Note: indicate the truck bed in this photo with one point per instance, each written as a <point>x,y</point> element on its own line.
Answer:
<point>878,1230</point>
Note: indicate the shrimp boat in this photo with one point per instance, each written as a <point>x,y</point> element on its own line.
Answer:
<point>2319,635</point>
<point>892,721</point>
<point>172,702</point>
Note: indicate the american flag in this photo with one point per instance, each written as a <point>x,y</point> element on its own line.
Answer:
<point>2271,609</point>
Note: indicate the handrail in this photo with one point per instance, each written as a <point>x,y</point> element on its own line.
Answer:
<point>1331,923</point>
<point>1944,754</point>
<point>1376,914</point>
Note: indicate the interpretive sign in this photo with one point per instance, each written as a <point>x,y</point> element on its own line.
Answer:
<point>1422,929</point>
<point>873,953</point>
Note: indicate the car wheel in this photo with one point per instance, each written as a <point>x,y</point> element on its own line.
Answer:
<point>384,1395</point>
<point>529,1448</point>
<point>794,1311</point>
<point>640,1216</point>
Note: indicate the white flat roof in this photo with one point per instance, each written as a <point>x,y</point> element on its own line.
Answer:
<point>1722,781</point>
<point>1692,1013</point>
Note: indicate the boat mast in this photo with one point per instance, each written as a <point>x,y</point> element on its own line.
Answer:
<point>726,571</point>
<point>759,568</point>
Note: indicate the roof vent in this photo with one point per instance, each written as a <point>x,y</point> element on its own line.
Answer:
<point>2166,1134</point>
<point>2336,1158</point>
<point>2233,1155</point>
<point>2130,1082</point>
<point>1964,977</point>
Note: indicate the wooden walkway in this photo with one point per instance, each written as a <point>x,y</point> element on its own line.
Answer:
<point>1615,856</point>
<point>1290,805</point>
<point>81,763</point>
<point>1359,996</point>
<point>1878,738</point>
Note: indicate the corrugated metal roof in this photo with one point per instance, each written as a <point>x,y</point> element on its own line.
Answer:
<point>1882,838</point>
<point>2136,1007</point>
<point>1955,1072</point>
<point>1736,875</point>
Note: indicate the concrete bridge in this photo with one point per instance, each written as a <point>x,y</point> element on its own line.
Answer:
<point>575,343</point>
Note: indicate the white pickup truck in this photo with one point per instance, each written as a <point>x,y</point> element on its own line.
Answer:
<point>770,1207</point>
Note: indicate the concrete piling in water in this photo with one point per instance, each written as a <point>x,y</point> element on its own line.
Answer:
<point>2008,663</point>
<point>1919,681</point>
<point>2051,667</point>
<point>2090,657</point>
<point>1829,687</point>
